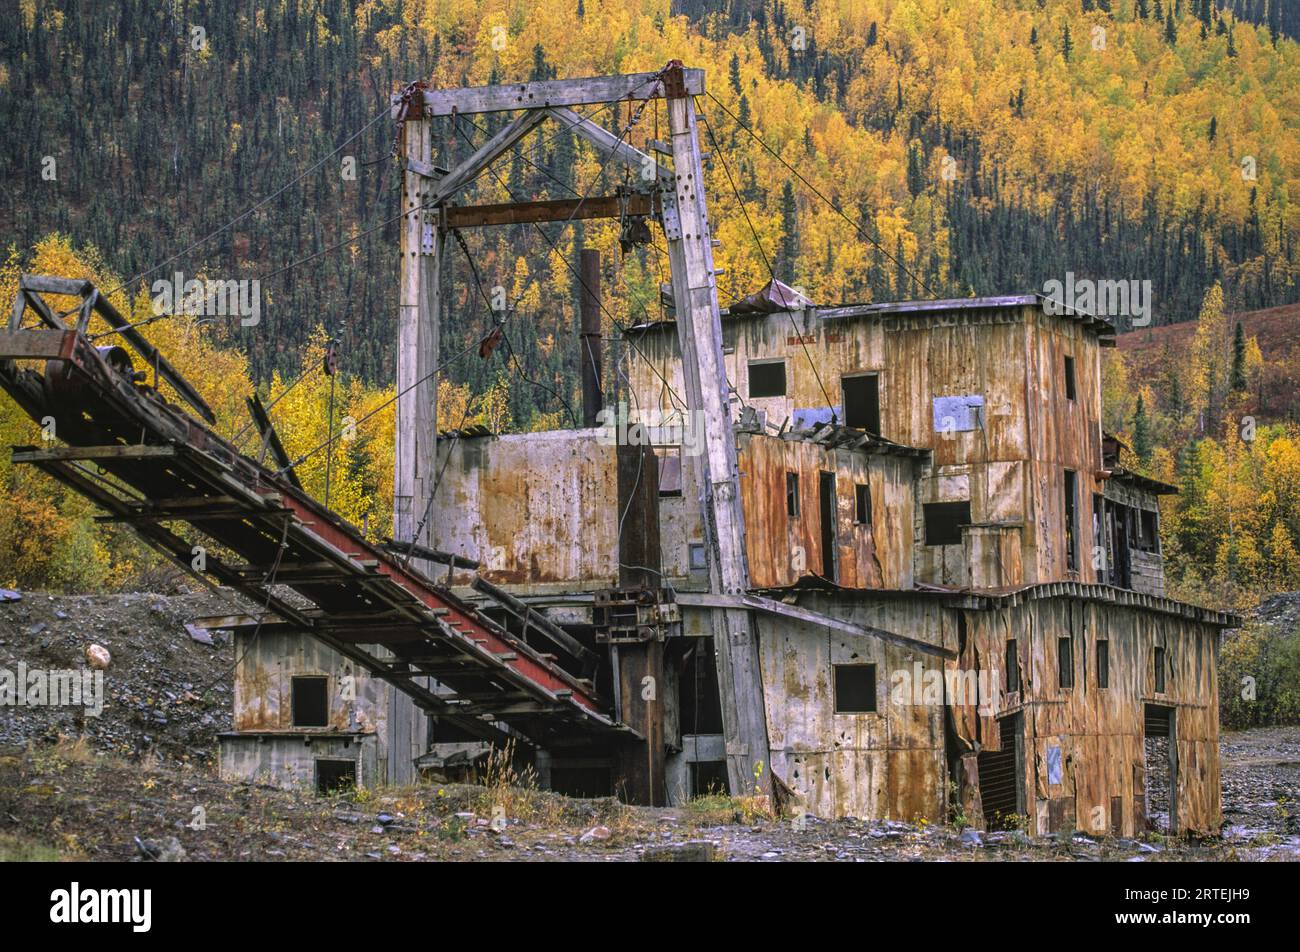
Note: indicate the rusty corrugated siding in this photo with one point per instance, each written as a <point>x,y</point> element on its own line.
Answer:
<point>888,764</point>
<point>1100,731</point>
<point>783,548</point>
<point>1011,470</point>
<point>538,510</point>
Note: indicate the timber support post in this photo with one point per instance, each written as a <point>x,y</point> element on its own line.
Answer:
<point>716,472</point>
<point>417,334</point>
<point>634,623</point>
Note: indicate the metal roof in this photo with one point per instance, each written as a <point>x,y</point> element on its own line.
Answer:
<point>1101,325</point>
<point>984,599</point>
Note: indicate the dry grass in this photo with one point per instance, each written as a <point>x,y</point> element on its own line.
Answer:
<point>15,849</point>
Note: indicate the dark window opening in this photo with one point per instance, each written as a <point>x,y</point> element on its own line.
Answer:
<point>709,778</point>
<point>862,402</point>
<point>670,470</point>
<point>1119,528</point>
<point>1099,558</point>
<point>943,522</point>
<point>1065,663</point>
<point>826,492</point>
<point>792,494</point>
<point>855,688</point>
<point>585,782</point>
<point>695,552</point>
<point>698,697</point>
<point>1069,378</point>
<point>767,379</point>
<point>1103,664</point>
<point>310,702</point>
<point>335,775</point>
<point>1146,524</point>
<point>1160,670</point>
<point>1013,667</point>
<point>1071,519</point>
<point>862,504</point>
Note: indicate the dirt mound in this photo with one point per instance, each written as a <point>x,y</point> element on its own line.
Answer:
<point>163,691</point>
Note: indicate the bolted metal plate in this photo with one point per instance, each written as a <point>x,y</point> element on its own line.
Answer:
<point>669,218</point>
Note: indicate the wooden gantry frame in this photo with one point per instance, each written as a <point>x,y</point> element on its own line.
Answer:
<point>675,197</point>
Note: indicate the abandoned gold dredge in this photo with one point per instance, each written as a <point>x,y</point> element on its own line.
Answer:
<point>872,560</point>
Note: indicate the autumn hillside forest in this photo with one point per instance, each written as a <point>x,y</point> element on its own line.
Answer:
<point>863,150</point>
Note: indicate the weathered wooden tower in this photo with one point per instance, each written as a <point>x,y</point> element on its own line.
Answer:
<point>675,197</point>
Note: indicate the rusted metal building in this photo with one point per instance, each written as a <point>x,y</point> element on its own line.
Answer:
<point>874,560</point>
<point>957,587</point>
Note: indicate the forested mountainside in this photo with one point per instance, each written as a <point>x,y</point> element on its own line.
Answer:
<point>899,148</point>
<point>982,146</point>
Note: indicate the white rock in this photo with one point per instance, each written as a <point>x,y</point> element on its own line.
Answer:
<point>97,656</point>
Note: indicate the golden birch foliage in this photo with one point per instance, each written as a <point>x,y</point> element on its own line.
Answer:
<point>1210,353</point>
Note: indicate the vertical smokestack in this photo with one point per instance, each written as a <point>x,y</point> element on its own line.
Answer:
<point>592,398</point>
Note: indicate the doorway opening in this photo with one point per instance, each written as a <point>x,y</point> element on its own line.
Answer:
<point>826,485</point>
<point>1160,763</point>
<point>999,774</point>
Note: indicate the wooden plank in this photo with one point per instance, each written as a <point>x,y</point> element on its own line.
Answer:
<point>272,439</point>
<point>16,315</point>
<point>48,284</point>
<point>537,622</point>
<point>37,343</point>
<point>418,331</point>
<point>48,317</point>
<point>773,607</point>
<point>610,145</point>
<point>464,173</point>
<point>430,555</point>
<point>65,453</point>
<point>699,334</point>
<point>562,210</point>
<point>553,92</point>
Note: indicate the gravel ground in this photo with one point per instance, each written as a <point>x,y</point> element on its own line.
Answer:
<point>141,779</point>
<point>164,691</point>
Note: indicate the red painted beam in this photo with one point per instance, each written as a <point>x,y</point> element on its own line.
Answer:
<point>533,669</point>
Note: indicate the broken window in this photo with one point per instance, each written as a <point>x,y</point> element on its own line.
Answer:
<point>943,522</point>
<point>1071,519</point>
<point>1064,663</point>
<point>767,378</point>
<point>862,402</point>
<point>335,775</point>
<point>855,688</point>
<point>1160,670</point>
<point>862,504</point>
<point>792,494</point>
<point>670,470</point>
<point>1103,664</point>
<point>1013,667</point>
<point>1069,378</point>
<point>310,702</point>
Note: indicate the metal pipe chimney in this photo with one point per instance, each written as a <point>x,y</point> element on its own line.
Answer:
<point>592,397</point>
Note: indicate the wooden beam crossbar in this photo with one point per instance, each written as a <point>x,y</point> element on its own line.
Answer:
<point>557,210</point>
<point>554,92</point>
